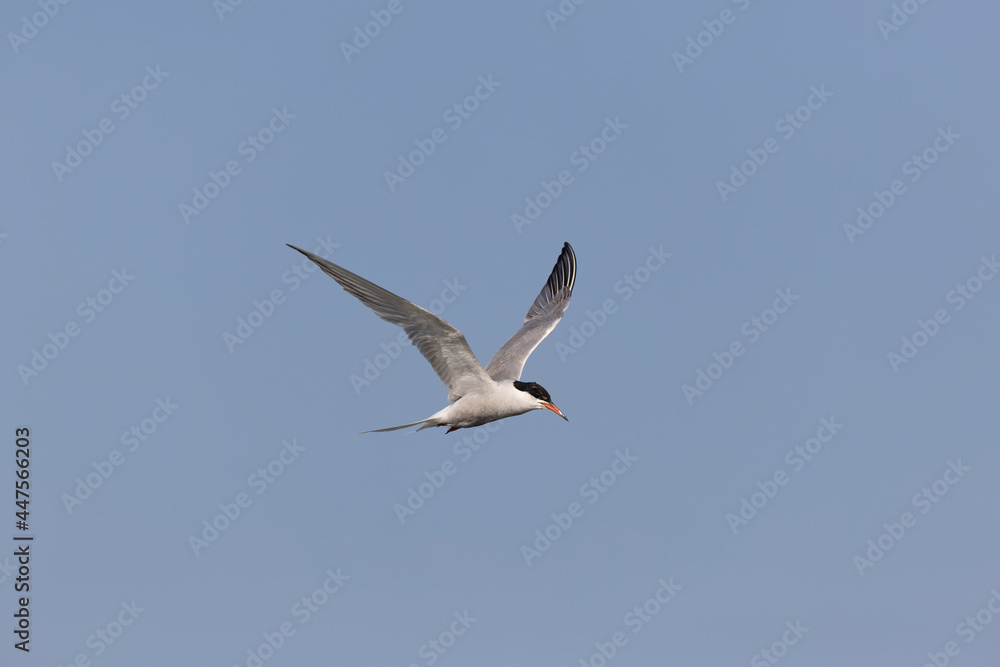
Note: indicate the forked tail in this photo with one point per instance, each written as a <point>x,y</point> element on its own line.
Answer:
<point>427,423</point>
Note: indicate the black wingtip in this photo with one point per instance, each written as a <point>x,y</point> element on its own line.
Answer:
<point>564,272</point>
<point>568,248</point>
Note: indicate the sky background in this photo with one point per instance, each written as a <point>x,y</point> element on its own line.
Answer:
<point>670,521</point>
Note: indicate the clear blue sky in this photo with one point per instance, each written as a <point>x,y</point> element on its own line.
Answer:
<point>779,365</point>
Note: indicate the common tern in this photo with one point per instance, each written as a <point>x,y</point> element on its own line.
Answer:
<point>478,395</point>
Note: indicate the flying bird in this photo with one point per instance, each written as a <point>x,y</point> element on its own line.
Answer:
<point>477,395</point>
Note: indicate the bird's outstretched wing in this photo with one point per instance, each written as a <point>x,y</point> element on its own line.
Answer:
<point>542,318</point>
<point>442,345</point>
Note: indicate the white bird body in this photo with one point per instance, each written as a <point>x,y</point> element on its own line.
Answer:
<point>495,400</point>
<point>479,395</point>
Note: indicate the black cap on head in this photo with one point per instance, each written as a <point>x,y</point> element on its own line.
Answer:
<point>535,389</point>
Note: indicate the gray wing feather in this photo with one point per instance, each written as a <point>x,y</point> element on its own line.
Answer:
<point>442,345</point>
<point>542,318</point>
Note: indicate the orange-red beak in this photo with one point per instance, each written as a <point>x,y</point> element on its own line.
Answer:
<point>553,408</point>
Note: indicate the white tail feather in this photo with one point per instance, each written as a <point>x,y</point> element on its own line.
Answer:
<point>427,423</point>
